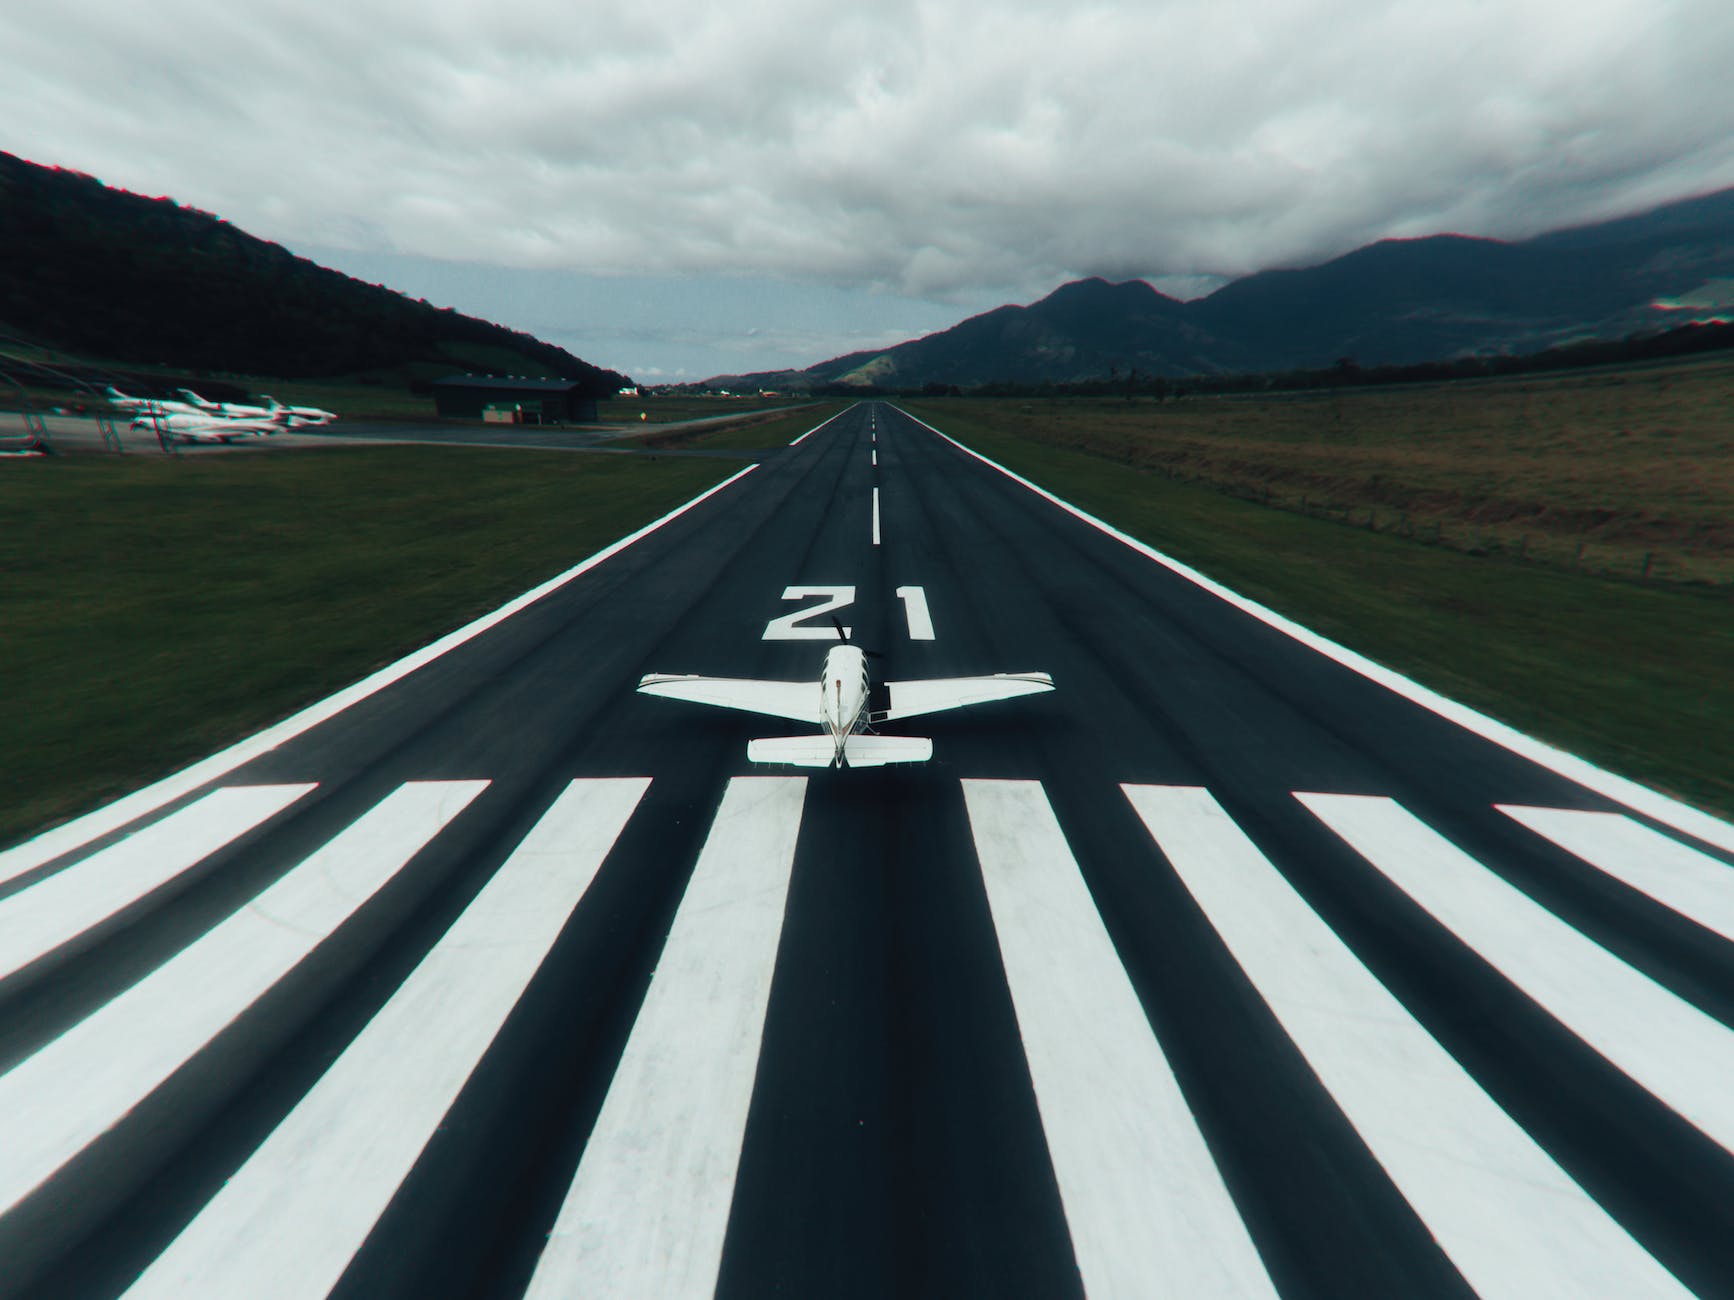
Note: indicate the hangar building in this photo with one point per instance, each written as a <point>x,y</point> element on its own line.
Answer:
<point>522,401</point>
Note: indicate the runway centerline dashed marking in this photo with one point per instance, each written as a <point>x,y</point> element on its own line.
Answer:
<point>290,1221</point>
<point>875,516</point>
<point>1511,1220</point>
<point>53,911</point>
<point>1142,1195</point>
<point>57,1102</point>
<point>1664,1043</point>
<point>648,1208</point>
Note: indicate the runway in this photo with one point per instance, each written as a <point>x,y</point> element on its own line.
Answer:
<point>1225,969</point>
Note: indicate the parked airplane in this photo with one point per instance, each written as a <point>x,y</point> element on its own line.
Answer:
<point>195,426</point>
<point>299,415</point>
<point>838,706</point>
<point>147,405</point>
<point>294,417</point>
<point>228,410</point>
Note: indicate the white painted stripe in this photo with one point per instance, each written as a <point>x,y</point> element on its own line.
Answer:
<point>647,1211</point>
<point>1671,812</point>
<point>810,432</point>
<point>1512,1221</point>
<point>875,455</point>
<point>1663,1042</point>
<point>56,1102</point>
<point>1693,884</point>
<point>54,910</point>
<point>289,1223</point>
<point>1143,1198</point>
<point>111,817</point>
<point>875,516</point>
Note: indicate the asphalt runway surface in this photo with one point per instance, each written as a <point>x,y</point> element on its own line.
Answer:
<point>1221,970</point>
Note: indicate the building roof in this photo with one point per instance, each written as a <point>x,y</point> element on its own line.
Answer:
<point>507,384</point>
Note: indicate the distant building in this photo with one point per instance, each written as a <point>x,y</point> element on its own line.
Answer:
<point>531,401</point>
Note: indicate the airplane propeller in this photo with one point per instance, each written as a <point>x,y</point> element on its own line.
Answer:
<point>843,636</point>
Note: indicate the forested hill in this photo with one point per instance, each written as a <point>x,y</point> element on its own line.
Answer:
<point>109,274</point>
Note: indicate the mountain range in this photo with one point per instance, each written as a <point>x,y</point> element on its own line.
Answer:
<point>1395,302</point>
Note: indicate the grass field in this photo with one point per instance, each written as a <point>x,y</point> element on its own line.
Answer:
<point>153,610</point>
<point>1627,471</point>
<point>1632,675</point>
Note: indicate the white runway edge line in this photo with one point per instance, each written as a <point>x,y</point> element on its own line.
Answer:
<point>1658,1039</point>
<point>1694,884</point>
<point>810,432</point>
<point>53,911</point>
<point>56,1102</point>
<point>1670,812</point>
<point>289,1223</point>
<point>93,825</point>
<point>1513,1222</point>
<point>648,1209</point>
<point>1143,1198</point>
<point>875,516</point>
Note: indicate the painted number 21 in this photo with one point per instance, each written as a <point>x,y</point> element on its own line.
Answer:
<point>799,626</point>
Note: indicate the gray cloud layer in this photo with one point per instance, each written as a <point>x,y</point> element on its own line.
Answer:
<point>939,148</point>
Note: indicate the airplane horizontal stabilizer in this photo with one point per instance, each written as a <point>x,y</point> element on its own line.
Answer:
<point>796,701</point>
<point>876,751</point>
<point>858,750</point>
<point>796,751</point>
<point>936,694</point>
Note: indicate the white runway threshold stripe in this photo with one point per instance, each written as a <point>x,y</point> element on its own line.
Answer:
<point>1693,884</point>
<point>1658,1039</point>
<point>1512,1221</point>
<point>648,1208</point>
<point>1144,1201</point>
<point>290,1221</point>
<point>59,908</point>
<point>55,1103</point>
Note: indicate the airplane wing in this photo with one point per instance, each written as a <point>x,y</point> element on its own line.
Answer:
<point>798,701</point>
<point>936,694</point>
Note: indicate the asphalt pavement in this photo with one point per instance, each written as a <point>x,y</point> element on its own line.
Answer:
<point>1225,969</point>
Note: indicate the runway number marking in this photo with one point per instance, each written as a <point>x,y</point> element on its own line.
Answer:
<point>787,626</point>
<point>798,627</point>
<point>915,610</point>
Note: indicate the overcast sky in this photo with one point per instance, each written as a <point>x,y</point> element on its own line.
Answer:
<point>681,186</point>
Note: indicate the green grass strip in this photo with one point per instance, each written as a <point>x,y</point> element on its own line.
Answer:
<point>155,610</point>
<point>1632,677</point>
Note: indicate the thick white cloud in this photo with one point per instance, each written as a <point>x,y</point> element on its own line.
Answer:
<point>945,147</point>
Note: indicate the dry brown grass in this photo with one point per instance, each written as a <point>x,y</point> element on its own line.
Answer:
<point>1625,472</point>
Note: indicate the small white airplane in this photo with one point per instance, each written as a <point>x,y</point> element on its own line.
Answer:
<point>147,405</point>
<point>837,702</point>
<point>294,417</point>
<point>197,427</point>
<point>298,415</point>
<point>228,410</point>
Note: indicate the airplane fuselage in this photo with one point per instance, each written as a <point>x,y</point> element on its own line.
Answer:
<point>843,693</point>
